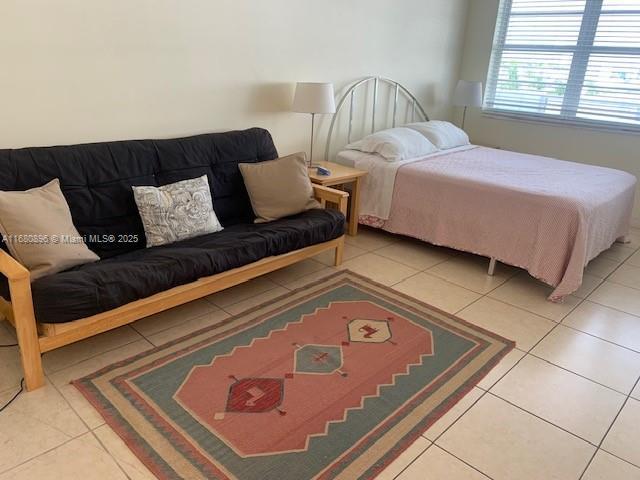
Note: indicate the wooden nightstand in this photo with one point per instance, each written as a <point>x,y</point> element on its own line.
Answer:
<point>341,175</point>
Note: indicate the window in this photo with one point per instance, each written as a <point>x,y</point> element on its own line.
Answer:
<point>572,61</point>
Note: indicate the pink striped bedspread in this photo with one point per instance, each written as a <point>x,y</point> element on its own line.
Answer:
<point>547,216</point>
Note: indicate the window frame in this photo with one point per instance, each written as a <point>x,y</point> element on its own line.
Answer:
<point>583,49</point>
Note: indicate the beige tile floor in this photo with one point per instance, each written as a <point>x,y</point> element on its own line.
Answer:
<point>564,405</point>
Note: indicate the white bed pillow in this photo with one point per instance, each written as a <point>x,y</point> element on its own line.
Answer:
<point>444,135</point>
<point>395,144</point>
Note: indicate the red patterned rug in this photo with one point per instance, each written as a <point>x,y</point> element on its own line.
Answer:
<point>334,380</point>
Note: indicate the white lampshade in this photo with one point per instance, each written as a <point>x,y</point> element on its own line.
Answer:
<point>314,98</point>
<point>468,94</point>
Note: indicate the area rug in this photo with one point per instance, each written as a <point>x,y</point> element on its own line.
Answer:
<point>333,380</point>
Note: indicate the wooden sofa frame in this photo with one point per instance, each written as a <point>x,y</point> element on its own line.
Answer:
<point>35,338</point>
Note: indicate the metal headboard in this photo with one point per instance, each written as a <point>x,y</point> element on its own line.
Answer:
<point>363,84</point>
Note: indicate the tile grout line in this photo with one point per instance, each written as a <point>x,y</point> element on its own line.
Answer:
<point>132,325</point>
<point>432,446</point>
<point>404,279</point>
<point>30,459</point>
<point>589,300</point>
<point>482,295</point>
<point>575,373</point>
<point>559,322</point>
<point>73,409</point>
<point>279,284</point>
<point>463,461</point>
<point>600,338</point>
<point>485,392</point>
<point>53,427</point>
<point>101,443</point>
<point>66,400</point>
<point>397,476</point>
<point>190,319</point>
<point>142,337</point>
<point>493,394</point>
<point>528,352</point>
<point>224,309</point>
<point>624,284</point>
<point>619,458</point>
<point>604,437</point>
<point>426,272</point>
<point>376,252</point>
<point>401,238</point>
<point>613,308</point>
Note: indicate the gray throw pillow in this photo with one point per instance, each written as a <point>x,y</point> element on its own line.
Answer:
<point>176,211</point>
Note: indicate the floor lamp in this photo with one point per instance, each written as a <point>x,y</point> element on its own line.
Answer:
<point>467,94</point>
<point>313,98</point>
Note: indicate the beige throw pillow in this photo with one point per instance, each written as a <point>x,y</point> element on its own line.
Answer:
<point>279,188</point>
<point>37,227</point>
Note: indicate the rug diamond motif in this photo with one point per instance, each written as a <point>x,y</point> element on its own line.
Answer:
<point>319,359</point>
<point>255,395</point>
<point>369,331</point>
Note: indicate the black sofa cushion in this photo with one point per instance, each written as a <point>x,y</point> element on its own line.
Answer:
<point>97,287</point>
<point>96,178</point>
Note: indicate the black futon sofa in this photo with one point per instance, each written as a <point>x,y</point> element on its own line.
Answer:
<point>131,281</point>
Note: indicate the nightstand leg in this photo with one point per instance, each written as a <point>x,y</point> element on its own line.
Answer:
<point>339,251</point>
<point>354,203</point>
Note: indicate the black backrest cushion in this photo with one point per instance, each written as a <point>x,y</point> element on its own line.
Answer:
<point>96,178</point>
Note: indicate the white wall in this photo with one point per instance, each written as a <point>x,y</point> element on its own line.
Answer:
<point>621,151</point>
<point>92,70</point>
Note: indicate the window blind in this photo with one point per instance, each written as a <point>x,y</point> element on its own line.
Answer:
<point>572,61</point>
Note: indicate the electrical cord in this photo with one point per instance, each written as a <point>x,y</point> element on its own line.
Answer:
<point>4,407</point>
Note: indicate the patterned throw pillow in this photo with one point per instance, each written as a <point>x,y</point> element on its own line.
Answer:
<point>176,211</point>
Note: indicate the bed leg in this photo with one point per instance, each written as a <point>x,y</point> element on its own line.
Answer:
<point>492,267</point>
<point>624,239</point>
<point>339,251</point>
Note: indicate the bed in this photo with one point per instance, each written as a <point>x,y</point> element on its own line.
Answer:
<point>547,216</point>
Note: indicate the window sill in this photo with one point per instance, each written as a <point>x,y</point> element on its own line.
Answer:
<point>608,127</point>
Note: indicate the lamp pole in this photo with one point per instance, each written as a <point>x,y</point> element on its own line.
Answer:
<point>313,117</point>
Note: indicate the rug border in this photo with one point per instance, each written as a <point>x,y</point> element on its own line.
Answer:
<point>139,448</point>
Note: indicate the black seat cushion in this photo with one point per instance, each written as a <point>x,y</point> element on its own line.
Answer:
<point>98,287</point>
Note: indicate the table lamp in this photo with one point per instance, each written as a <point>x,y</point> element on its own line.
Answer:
<point>313,98</point>
<point>467,94</point>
